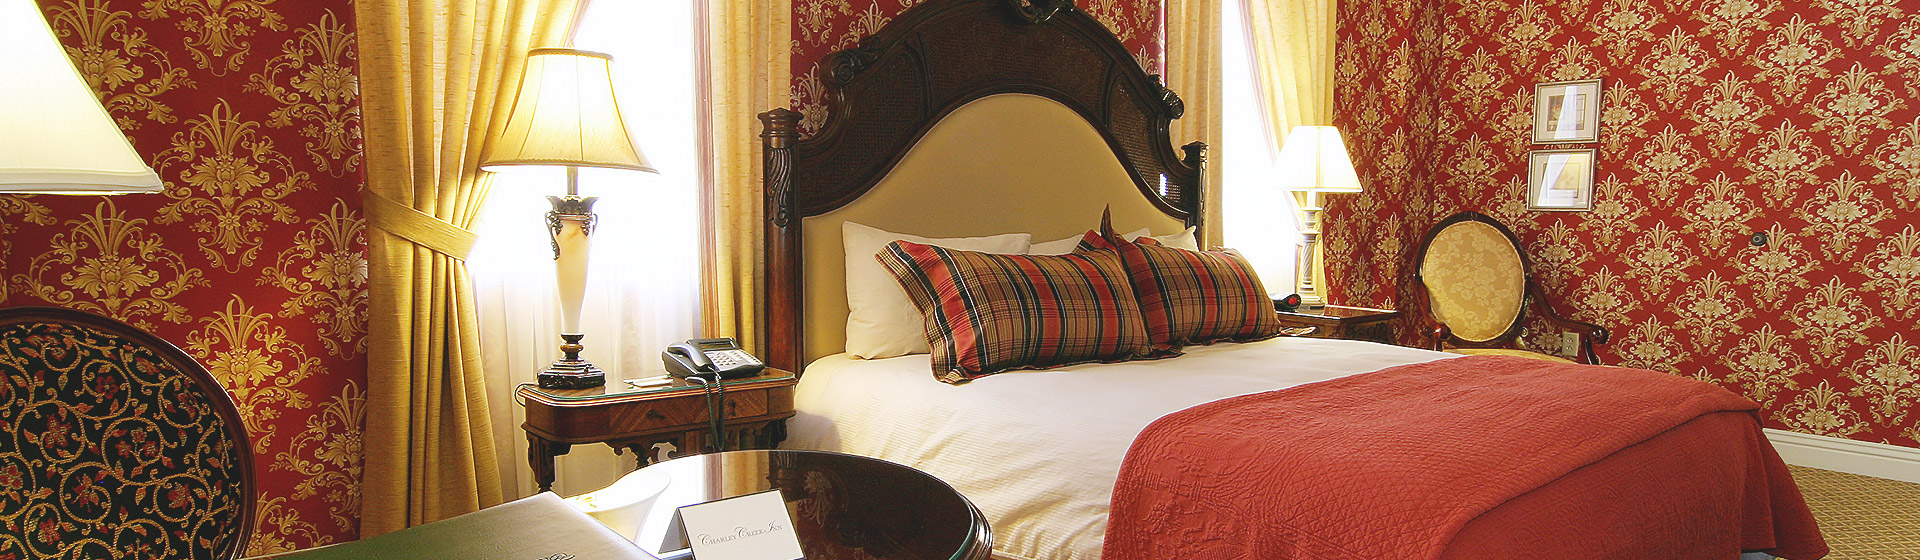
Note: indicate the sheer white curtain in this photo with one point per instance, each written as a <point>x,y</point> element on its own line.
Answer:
<point>1259,219</point>
<point>643,284</point>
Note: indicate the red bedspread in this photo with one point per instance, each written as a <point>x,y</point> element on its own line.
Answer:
<point>1515,457</point>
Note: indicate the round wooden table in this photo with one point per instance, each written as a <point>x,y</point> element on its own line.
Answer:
<point>843,506</point>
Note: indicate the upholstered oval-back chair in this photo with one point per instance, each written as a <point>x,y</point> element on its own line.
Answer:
<point>1479,285</point>
<point>115,444</point>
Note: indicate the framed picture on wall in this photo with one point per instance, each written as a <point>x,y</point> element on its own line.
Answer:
<point>1566,112</point>
<point>1560,180</point>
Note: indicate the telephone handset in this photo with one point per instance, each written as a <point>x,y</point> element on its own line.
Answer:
<point>707,356</point>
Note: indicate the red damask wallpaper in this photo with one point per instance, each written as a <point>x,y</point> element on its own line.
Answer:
<point>253,260</point>
<point>1721,118</point>
<point>824,27</point>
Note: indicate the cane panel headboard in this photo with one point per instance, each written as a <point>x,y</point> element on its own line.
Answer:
<point>960,118</point>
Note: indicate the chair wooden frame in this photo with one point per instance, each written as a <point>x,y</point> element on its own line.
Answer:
<point>1590,334</point>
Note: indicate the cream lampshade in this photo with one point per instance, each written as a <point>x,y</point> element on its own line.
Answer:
<point>1314,162</point>
<point>55,137</point>
<point>565,115</point>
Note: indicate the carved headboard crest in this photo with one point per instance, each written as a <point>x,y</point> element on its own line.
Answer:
<point>885,93</point>
<point>1039,11</point>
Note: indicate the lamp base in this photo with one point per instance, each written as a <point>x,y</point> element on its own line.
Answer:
<point>570,371</point>
<point>567,375</point>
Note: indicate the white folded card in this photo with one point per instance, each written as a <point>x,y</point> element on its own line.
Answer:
<point>750,527</point>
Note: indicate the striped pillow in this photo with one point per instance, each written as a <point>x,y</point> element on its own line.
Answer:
<point>1197,297</point>
<point>987,313</point>
<point>1095,241</point>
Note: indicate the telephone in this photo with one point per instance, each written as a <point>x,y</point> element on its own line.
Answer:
<point>707,356</point>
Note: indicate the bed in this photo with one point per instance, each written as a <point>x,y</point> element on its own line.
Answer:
<point>1040,505</point>
<point>980,117</point>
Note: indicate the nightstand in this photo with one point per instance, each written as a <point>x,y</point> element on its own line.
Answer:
<point>641,419</point>
<point>1339,321</point>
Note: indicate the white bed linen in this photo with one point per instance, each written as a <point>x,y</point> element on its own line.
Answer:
<point>1038,451</point>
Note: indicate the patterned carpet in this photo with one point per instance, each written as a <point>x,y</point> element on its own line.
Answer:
<point>1863,518</point>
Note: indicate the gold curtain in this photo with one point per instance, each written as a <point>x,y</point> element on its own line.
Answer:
<point>1193,72</point>
<point>747,45</point>
<point>434,77</point>
<point>1293,67</point>
<point>1293,59</point>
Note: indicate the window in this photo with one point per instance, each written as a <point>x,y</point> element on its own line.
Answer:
<point>1257,218</point>
<point>643,283</point>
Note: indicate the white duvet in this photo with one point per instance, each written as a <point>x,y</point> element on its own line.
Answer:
<point>1038,451</point>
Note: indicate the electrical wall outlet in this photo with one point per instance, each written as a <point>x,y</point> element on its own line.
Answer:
<point>1569,344</point>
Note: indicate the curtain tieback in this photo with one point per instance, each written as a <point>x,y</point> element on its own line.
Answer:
<point>419,227</point>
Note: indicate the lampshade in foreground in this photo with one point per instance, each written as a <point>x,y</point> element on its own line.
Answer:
<point>565,115</point>
<point>1314,159</point>
<point>55,137</point>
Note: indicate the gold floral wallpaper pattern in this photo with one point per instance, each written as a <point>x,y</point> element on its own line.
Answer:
<point>253,259</point>
<point>1721,119</point>
<point>824,27</point>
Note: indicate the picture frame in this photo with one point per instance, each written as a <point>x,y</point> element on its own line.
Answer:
<point>1566,112</point>
<point>1560,180</point>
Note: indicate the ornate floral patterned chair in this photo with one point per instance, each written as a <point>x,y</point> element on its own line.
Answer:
<point>1479,285</point>
<point>115,444</point>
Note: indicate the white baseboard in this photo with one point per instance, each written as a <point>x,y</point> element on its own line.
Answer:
<point>1846,455</point>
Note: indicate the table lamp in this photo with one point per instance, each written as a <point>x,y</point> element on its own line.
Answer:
<point>1312,163</point>
<point>55,136</point>
<point>565,115</point>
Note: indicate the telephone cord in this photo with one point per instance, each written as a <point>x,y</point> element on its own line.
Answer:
<point>716,397</point>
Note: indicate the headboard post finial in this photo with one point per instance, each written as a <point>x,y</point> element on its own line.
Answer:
<point>1196,200</point>
<point>782,125</point>
<point>780,129</point>
<point>1196,153</point>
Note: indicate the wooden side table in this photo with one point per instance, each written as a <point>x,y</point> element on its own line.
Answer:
<point>1339,321</point>
<point>639,419</point>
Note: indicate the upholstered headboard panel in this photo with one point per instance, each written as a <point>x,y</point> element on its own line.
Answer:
<point>1005,163</point>
<point>964,117</point>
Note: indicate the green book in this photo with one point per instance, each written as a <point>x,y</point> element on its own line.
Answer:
<point>542,527</point>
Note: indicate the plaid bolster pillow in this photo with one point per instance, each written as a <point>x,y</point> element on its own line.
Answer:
<point>987,313</point>
<point>1196,297</point>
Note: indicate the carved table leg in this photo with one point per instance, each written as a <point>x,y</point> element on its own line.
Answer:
<point>693,442</point>
<point>645,452</point>
<point>663,451</point>
<point>540,454</point>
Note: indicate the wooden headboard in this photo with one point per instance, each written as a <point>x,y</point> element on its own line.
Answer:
<point>885,96</point>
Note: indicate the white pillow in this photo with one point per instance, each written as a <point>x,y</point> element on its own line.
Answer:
<point>881,321</point>
<point>1182,240</point>
<point>1064,246</point>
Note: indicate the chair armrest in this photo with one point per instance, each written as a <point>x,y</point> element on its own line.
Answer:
<point>1439,330</point>
<point>1590,334</point>
<point>1440,334</point>
<point>1535,293</point>
<point>1583,328</point>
